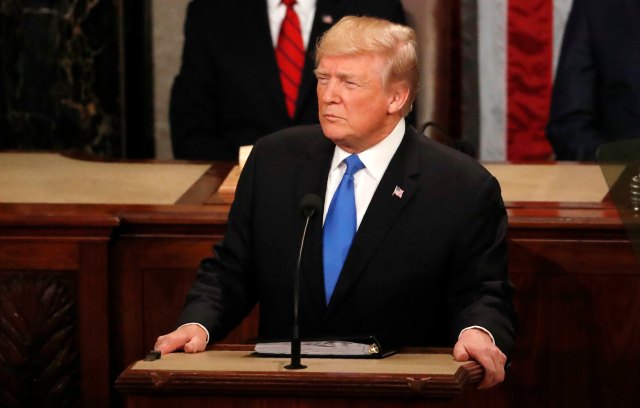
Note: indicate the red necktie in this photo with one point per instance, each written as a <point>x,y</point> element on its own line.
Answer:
<point>290,56</point>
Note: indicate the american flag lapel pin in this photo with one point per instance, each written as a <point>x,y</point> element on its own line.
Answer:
<point>398,192</point>
<point>327,19</point>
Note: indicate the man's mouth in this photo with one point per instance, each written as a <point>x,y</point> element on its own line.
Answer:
<point>330,117</point>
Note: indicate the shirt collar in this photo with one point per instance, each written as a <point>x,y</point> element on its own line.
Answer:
<point>376,158</point>
<point>302,5</point>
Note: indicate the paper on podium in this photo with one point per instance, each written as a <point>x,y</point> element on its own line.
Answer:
<point>319,348</point>
<point>361,348</point>
<point>229,183</point>
<point>243,155</point>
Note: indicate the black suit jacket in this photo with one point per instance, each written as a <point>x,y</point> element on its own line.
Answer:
<point>228,91</point>
<point>596,94</point>
<point>421,267</point>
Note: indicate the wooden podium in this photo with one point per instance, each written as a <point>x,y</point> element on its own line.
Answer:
<point>233,376</point>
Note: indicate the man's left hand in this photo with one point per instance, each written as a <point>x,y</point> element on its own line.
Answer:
<point>477,345</point>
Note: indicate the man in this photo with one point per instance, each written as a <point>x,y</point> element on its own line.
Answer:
<point>427,265</point>
<point>596,94</point>
<point>229,91</point>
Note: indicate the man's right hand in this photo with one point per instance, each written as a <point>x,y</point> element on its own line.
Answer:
<point>191,337</point>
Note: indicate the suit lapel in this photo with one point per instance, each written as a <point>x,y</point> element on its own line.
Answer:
<point>311,177</point>
<point>381,214</point>
<point>326,15</point>
<point>256,20</point>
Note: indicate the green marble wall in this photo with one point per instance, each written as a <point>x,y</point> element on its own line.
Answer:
<point>60,77</point>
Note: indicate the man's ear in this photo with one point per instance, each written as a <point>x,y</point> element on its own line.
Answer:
<point>398,98</point>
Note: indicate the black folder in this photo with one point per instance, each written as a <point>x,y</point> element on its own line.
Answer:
<point>366,347</point>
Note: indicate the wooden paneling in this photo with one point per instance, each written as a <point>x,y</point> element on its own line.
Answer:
<point>35,255</point>
<point>54,322</point>
<point>38,339</point>
<point>579,309</point>
<point>261,401</point>
<point>153,275</point>
<point>93,323</point>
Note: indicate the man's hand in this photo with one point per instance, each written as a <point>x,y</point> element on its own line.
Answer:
<point>190,337</point>
<point>477,345</point>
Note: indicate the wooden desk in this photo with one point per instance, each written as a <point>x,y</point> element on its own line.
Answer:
<point>65,244</point>
<point>233,377</point>
<point>124,269</point>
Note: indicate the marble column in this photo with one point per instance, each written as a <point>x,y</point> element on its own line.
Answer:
<point>60,81</point>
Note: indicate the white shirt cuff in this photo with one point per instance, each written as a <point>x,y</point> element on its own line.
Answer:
<point>481,328</point>
<point>205,329</point>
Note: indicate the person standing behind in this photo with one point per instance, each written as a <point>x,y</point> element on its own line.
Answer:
<point>596,93</point>
<point>247,70</point>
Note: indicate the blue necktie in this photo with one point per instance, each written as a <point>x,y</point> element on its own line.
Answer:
<point>340,226</point>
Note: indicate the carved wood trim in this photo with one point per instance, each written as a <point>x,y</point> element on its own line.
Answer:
<point>39,361</point>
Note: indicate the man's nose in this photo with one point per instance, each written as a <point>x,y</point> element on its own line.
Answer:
<point>330,94</point>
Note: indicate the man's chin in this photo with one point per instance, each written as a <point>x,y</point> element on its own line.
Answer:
<point>341,140</point>
<point>331,134</point>
<point>330,130</point>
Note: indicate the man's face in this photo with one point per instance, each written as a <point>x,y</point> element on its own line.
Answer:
<point>355,110</point>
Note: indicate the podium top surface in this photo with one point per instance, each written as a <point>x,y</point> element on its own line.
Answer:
<point>234,370</point>
<point>552,182</point>
<point>50,178</point>
<point>55,179</point>
<point>555,182</point>
<point>244,361</point>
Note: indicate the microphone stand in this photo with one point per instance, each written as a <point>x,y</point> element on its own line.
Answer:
<point>295,338</point>
<point>310,203</point>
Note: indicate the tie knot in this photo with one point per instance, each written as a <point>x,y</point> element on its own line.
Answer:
<point>353,164</point>
<point>289,3</point>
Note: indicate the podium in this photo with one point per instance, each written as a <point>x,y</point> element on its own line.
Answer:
<point>228,376</point>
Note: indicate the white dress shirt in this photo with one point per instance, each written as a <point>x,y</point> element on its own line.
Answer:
<point>305,9</point>
<point>365,182</point>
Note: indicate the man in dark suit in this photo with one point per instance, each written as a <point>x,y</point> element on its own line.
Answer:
<point>596,94</point>
<point>228,92</point>
<point>428,263</point>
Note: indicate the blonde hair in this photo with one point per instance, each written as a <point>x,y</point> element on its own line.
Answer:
<point>367,35</point>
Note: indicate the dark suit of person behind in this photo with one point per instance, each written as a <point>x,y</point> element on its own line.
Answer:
<point>596,93</point>
<point>228,91</point>
<point>428,263</point>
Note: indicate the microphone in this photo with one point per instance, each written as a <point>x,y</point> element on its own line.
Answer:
<point>309,206</point>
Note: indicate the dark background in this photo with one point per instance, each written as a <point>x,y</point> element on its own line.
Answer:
<point>77,76</point>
